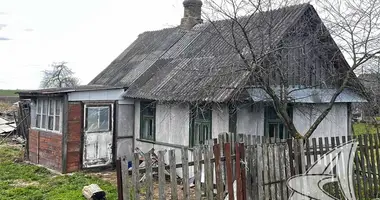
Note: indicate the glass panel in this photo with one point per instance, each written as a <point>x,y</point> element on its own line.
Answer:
<point>58,107</point>
<point>103,119</point>
<point>57,123</point>
<point>45,106</point>
<point>38,120</point>
<point>51,107</point>
<point>51,122</point>
<point>39,106</point>
<point>44,121</point>
<point>97,119</point>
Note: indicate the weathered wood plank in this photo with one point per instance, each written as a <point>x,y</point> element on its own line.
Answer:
<point>208,172</point>
<point>308,153</point>
<point>161,175</point>
<point>185,173</point>
<point>288,161</point>
<point>227,153</point>
<point>363,170</point>
<point>136,177</point>
<point>315,154</point>
<point>267,194</point>
<point>302,155</point>
<point>250,170</point>
<point>272,171</point>
<point>149,176</point>
<point>291,157</point>
<point>119,179</point>
<point>243,170</point>
<point>197,153</point>
<point>173,175</point>
<point>377,157</point>
<point>238,180</point>
<point>260,170</point>
<point>125,179</point>
<point>277,164</point>
<point>219,182</point>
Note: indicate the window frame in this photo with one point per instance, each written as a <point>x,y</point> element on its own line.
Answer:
<point>145,117</point>
<point>42,116</point>
<point>277,121</point>
<point>195,120</point>
<point>110,121</point>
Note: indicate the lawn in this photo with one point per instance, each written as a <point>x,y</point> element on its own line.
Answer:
<point>363,128</point>
<point>8,93</point>
<point>23,181</point>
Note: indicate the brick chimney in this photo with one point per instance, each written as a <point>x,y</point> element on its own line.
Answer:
<point>192,14</point>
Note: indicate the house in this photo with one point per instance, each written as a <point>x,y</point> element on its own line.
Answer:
<point>181,86</point>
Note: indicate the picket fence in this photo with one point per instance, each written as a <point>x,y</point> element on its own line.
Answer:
<point>243,167</point>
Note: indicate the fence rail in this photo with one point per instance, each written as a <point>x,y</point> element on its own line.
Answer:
<point>242,167</point>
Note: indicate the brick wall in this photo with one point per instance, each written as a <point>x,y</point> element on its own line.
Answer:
<point>45,148</point>
<point>74,134</point>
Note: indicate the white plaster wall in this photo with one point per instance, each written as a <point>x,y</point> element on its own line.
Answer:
<point>220,117</point>
<point>250,119</point>
<point>172,127</point>
<point>335,123</point>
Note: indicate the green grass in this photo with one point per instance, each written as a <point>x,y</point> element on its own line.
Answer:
<point>364,128</point>
<point>29,182</point>
<point>8,92</point>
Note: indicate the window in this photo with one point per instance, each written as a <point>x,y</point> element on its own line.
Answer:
<point>274,127</point>
<point>147,121</point>
<point>48,114</point>
<point>200,125</point>
<point>98,118</point>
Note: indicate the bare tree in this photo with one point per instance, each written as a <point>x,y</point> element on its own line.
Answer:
<point>59,76</point>
<point>305,56</point>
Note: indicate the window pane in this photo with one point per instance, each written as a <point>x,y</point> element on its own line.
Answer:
<point>92,119</point>
<point>38,120</point>
<point>98,119</point>
<point>147,111</point>
<point>44,121</point>
<point>51,122</point>
<point>51,107</point>
<point>58,107</point>
<point>45,106</point>
<point>57,122</point>
<point>103,119</point>
<point>39,106</point>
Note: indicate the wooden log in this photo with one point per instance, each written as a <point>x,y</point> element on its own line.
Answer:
<point>185,173</point>
<point>173,175</point>
<point>161,175</point>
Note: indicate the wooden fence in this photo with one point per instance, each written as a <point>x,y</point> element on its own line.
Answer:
<point>242,167</point>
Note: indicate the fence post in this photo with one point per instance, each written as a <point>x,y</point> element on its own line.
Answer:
<point>136,176</point>
<point>148,176</point>
<point>242,170</point>
<point>227,153</point>
<point>185,173</point>
<point>197,172</point>
<point>239,186</point>
<point>125,179</point>
<point>161,175</point>
<point>173,175</point>
<point>119,180</point>
<point>219,183</point>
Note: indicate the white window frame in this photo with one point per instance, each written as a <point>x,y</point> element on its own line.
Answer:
<point>41,114</point>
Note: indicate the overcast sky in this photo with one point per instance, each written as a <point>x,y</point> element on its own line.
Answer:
<point>88,34</point>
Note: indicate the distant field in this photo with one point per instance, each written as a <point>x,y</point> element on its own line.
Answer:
<point>8,93</point>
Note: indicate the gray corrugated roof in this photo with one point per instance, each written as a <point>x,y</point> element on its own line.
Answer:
<point>196,65</point>
<point>67,90</point>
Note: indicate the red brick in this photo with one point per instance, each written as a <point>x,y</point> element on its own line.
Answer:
<point>73,157</point>
<point>75,112</point>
